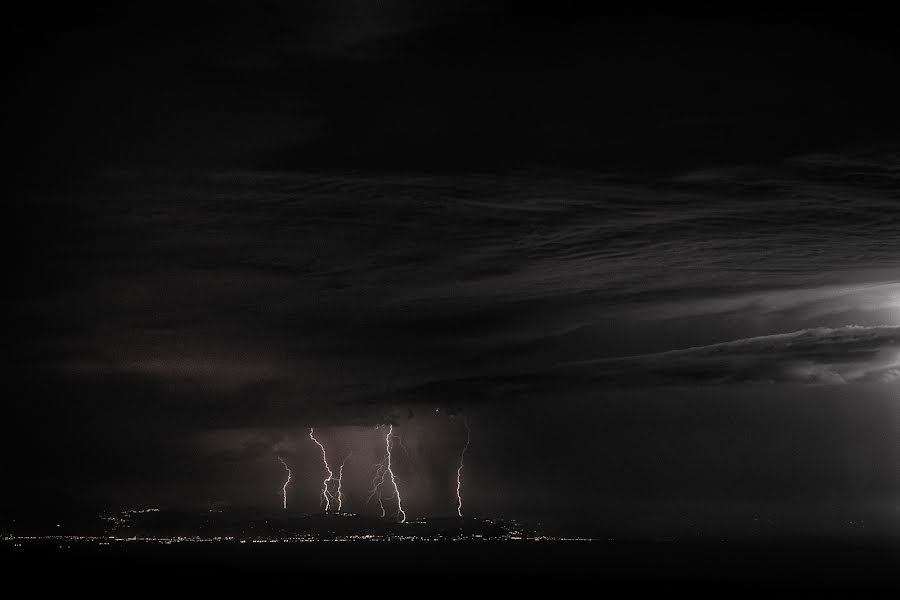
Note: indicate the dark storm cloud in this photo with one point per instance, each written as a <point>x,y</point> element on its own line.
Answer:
<point>441,86</point>
<point>816,356</point>
<point>319,292</point>
<point>235,222</point>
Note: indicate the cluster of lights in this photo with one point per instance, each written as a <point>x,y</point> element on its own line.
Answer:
<point>510,535</point>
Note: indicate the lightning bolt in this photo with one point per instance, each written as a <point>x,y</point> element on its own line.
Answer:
<point>462,463</point>
<point>403,446</point>
<point>390,471</point>
<point>287,481</point>
<point>383,470</point>
<point>340,479</point>
<point>327,496</point>
<point>377,481</point>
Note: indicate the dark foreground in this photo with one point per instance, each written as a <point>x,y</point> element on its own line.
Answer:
<point>607,565</point>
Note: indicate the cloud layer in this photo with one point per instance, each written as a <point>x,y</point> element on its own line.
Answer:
<point>318,291</point>
<point>823,355</point>
<point>851,354</point>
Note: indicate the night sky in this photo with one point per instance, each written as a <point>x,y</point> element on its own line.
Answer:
<point>651,259</point>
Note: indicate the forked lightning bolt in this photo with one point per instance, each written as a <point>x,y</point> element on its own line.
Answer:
<point>287,481</point>
<point>377,480</point>
<point>327,496</point>
<point>462,458</point>
<point>390,471</point>
<point>384,469</point>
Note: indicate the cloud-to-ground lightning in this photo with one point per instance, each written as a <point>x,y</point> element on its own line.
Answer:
<point>390,471</point>
<point>462,458</point>
<point>383,470</point>
<point>403,446</point>
<point>340,481</point>
<point>377,481</point>
<point>286,482</point>
<point>327,496</point>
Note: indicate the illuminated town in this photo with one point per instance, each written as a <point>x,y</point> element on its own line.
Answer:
<point>155,526</point>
